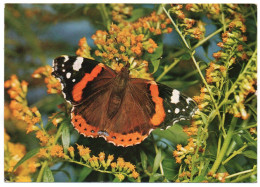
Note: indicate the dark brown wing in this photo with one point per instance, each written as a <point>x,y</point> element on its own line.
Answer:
<point>141,110</point>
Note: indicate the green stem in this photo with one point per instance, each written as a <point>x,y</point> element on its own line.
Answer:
<point>166,70</point>
<point>58,133</point>
<point>244,177</point>
<point>234,85</point>
<point>223,18</point>
<point>239,151</point>
<point>240,173</point>
<point>224,147</point>
<point>194,61</point>
<point>96,169</point>
<point>39,177</point>
<point>104,15</point>
<point>201,42</point>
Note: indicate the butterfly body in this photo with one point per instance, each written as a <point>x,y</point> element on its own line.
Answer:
<point>112,105</point>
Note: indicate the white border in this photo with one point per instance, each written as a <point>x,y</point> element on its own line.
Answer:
<point>100,1</point>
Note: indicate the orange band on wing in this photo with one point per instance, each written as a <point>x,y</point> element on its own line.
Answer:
<point>78,88</point>
<point>159,115</point>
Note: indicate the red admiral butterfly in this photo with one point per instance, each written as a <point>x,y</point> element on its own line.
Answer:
<point>112,105</point>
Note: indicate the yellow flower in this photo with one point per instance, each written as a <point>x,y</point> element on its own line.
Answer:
<point>23,179</point>
<point>42,137</point>
<point>57,150</point>
<point>135,174</point>
<point>43,152</point>
<point>120,176</point>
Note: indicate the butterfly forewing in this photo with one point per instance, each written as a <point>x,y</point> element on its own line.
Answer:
<point>80,77</point>
<point>177,106</point>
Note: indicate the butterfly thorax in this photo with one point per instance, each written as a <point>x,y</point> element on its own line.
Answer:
<point>118,92</point>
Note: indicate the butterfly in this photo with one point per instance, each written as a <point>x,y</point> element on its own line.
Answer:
<point>112,105</point>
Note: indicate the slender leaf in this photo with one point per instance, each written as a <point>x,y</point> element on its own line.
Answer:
<point>84,173</point>
<point>143,159</point>
<point>199,178</point>
<point>155,177</point>
<point>47,175</point>
<point>250,154</point>
<point>65,137</point>
<point>157,160</point>
<point>169,168</point>
<point>28,155</point>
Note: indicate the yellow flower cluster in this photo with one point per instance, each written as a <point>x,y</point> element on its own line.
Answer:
<point>120,168</point>
<point>128,42</point>
<point>184,153</point>
<point>191,27</point>
<point>13,153</point>
<point>84,49</point>
<point>17,91</point>
<point>53,85</point>
<point>120,12</point>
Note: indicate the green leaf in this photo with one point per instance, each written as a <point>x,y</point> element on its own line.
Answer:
<point>157,160</point>
<point>47,175</point>
<point>65,136</point>
<point>169,168</point>
<point>156,57</point>
<point>143,159</point>
<point>250,154</point>
<point>155,177</point>
<point>186,56</point>
<point>174,134</point>
<point>28,155</point>
<point>138,13</point>
<point>116,179</point>
<point>84,173</point>
<point>199,179</point>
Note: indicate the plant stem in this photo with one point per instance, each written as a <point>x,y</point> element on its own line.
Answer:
<point>224,147</point>
<point>104,15</point>
<point>194,61</point>
<point>39,177</point>
<point>201,42</point>
<point>239,151</point>
<point>240,173</point>
<point>166,70</point>
<point>244,177</point>
<point>234,85</point>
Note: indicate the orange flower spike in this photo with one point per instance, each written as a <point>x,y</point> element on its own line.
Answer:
<point>57,151</point>
<point>71,151</point>
<point>120,176</point>
<point>84,152</point>
<point>113,166</point>
<point>102,159</point>
<point>135,174</point>
<point>40,135</point>
<point>43,153</point>
<point>24,86</point>
<point>109,160</point>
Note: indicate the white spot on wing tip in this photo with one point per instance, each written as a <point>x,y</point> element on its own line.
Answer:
<point>175,98</point>
<point>77,64</point>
